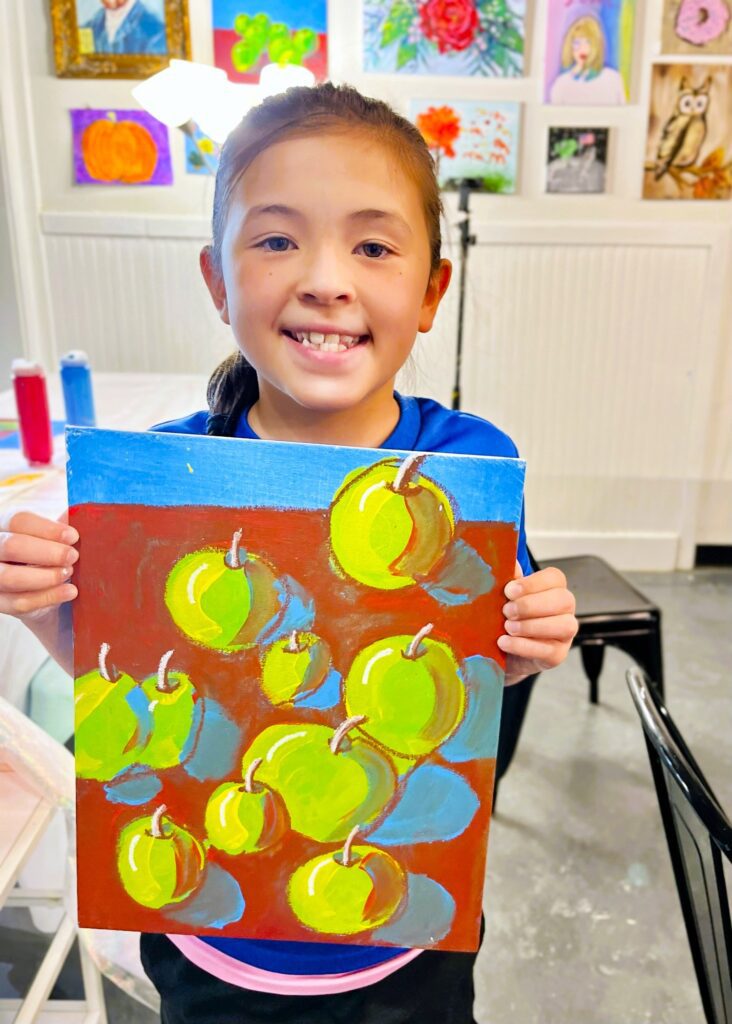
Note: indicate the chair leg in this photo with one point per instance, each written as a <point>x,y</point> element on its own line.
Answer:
<point>593,655</point>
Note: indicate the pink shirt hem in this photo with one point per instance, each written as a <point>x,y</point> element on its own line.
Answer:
<point>236,972</point>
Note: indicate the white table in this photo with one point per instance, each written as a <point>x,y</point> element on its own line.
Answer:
<point>124,401</point>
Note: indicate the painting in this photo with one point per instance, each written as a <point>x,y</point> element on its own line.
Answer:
<point>589,48</point>
<point>202,153</point>
<point>118,38</point>
<point>471,139</point>
<point>444,37</point>
<point>251,33</point>
<point>287,686</point>
<point>689,145</point>
<point>576,160</point>
<point>120,147</point>
<point>697,27</point>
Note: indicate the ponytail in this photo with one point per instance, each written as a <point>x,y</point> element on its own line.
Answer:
<point>231,389</point>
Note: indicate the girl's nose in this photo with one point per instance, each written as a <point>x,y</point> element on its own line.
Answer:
<point>325,279</point>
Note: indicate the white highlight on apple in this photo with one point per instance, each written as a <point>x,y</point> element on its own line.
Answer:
<point>193,577</point>
<point>279,743</point>
<point>370,664</point>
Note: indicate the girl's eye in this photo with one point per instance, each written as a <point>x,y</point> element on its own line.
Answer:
<point>374,250</point>
<point>272,244</point>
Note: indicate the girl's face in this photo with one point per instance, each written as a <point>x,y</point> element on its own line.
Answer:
<point>325,237</point>
<point>581,49</point>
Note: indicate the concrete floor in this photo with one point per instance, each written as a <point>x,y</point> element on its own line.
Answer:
<point>583,920</point>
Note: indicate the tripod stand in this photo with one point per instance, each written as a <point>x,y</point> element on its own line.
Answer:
<point>467,185</point>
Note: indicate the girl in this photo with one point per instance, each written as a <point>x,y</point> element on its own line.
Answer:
<point>326,263</point>
<point>586,79</point>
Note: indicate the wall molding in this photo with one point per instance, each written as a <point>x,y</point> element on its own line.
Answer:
<point>650,552</point>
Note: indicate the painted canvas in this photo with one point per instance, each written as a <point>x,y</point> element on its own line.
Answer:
<point>120,147</point>
<point>251,33</point>
<point>697,27</point>
<point>202,153</point>
<point>444,37</point>
<point>689,145</point>
<point>129,26</point>
<point>475,139</point>
<point>288,686</point>
<point>589,48</point>
<point>577,160</point>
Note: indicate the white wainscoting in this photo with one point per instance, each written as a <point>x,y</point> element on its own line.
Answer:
<point>599,347</point>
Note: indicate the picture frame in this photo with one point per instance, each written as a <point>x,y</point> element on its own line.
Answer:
<point>141,41</point>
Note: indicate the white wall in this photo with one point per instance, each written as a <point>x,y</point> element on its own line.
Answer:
<point>598,327</point>
<point>11,344</point>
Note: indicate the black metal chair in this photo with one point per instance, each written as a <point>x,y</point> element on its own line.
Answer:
<point>699,837</point>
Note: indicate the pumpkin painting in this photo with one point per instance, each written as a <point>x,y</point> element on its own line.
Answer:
<point>120,147</point>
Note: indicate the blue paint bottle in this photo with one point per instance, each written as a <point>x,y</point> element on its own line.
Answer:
<point>77,388</point>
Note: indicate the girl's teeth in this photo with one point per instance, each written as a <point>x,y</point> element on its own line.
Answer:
<point>326,342</point>
<point>317,339</point>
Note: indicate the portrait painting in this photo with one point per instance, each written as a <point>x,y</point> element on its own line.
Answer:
<point>689,142</point>
<point>118,38</point>
<point>697,27</point>
<point>576,160</point>
<point>288,686</point>
<point>589,47</point>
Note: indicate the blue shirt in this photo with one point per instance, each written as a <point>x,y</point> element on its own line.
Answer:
<point>424,426</point>
<point>140,32</point>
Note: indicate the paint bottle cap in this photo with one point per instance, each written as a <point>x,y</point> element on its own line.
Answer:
<point>25,368</point>
<point>76,357</point>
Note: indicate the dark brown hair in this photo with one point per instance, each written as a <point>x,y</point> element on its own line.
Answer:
<point>296,113</point>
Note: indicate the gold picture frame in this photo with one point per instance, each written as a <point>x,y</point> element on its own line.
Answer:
<point>74,45</point>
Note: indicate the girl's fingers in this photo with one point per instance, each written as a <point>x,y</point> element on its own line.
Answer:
<point>553,627</point>
<point>19,579</point>
<point>536,606</point>
<point>30,603</point>
<point>546,579</point>
<point>545,654</point>
<point>29,549</point>
<point>37,526</point>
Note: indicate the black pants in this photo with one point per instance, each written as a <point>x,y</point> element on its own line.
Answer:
<point>434,988</point>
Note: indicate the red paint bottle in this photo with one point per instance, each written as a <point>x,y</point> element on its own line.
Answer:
<point>34,420</point>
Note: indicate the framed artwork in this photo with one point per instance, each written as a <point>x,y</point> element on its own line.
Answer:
<point>589,48</point>
<point>689,144</point>
<point>288,686</point>
<point>109,39</point>
<point>697,27</point>
<point>202,153</point>
<point>251,33</point>
<point>472,139</point>
<point>576,160</point>
<point>444,37</point>
<point>120,147</point>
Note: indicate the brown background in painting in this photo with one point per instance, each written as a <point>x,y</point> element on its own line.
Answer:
<point>126,554</point>
<point>664,93</point>
<point>671,43</point>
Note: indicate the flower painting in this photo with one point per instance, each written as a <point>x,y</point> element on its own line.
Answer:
<point>589,52</point>
<point>251,33</point>
<point>577,160</point>
<point>202,153</point>
<point>697,26</point>
<point>120,147</point>
<point>472,139</point>
<point>689,147</point>
<point>444,37</point>
<point>288,686</point>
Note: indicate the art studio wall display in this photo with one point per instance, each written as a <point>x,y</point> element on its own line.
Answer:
<point>697,27</point>
<point>120,147</point>
<point>202,153</point>
<point>251,33</point>
<point>471,139</point>
<point>689,145</point>
<point>444,37</point>
<point>589,49</point>
<point>113,39</point>
<point>287,686</point>
<point>577,160</point>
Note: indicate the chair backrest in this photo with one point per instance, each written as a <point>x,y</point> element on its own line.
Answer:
<point>699,836</point>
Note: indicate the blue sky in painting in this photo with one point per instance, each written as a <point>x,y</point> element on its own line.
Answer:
<point>173,470</point>
<point>296,13</point>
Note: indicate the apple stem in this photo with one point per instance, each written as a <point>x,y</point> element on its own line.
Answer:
<point>346,861</point>
<point>234,561</point>
<point>342,729</point>
<point>163,684</point>
<point>249,777</point>
<point>413,650</point>
<point>104,671</point>
<point>293,646</point>
<point>407,469</point>
<point>157,817</point>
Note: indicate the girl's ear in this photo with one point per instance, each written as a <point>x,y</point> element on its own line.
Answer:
<point>215,283</point>
<point>436,288</point>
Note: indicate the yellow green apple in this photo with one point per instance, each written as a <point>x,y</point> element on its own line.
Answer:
<point>389,525</point>
<point>171,702</point>
<point>159,862</point>
<point>295,667</point>
<point>245,818</point>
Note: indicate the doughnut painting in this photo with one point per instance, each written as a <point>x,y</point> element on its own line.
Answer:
<point>697,26</point>
<point>287,686</point>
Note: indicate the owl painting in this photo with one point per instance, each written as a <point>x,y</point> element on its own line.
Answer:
<point>689,147</point>
<point>684,133</point>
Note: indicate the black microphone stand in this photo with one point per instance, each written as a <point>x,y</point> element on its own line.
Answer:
<point>466,240</point>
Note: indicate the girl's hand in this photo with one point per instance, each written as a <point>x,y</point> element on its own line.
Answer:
<point>36,565</point>
<point>540,623</point>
